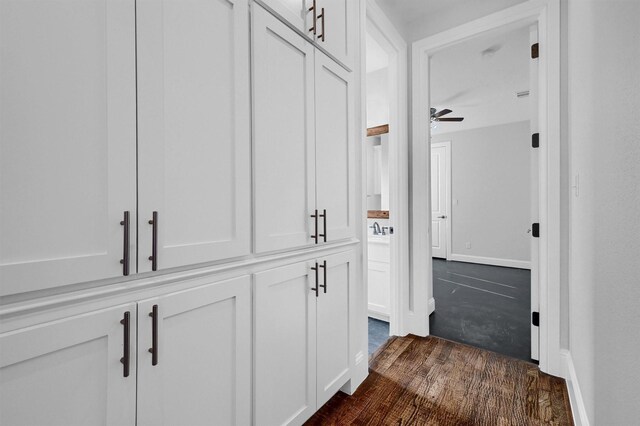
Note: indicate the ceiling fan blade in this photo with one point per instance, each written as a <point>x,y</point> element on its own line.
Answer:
<point>443,112</point>
<point>450,119</point>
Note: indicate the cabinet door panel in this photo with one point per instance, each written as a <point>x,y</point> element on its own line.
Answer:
<point>333,326</point>
<point>340,20</point>
<point>296,12</point>
<point>285,346</point>
<point>68,372</point>
<point>335,175</point>
<point>284,171</point>
<point>194,122</point>
<point>203,371</point>
<point>67,141</point>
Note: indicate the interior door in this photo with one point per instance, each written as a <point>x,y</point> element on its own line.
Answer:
<point>194,131</point>
<point>67,141</point>
<point>335,139</point>
<point>336,28</point>
<point>332,319</point>
<point>535,194</point>
<point>202,374</point>
<point>284,167</point>
<point>69,372</point>
<point>285,345</point>
<point>439,199</point>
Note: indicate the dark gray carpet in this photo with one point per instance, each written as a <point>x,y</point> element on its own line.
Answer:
<point>378,334</point>
<point>483,306</point>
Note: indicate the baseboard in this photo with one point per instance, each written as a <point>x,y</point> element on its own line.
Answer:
<point>431,306</point>
<point>509,263</point>
<point>573,388</point>
<point>375,314</point>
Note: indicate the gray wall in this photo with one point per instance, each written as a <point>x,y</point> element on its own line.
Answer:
<point>604,131</point>
<point>490,181</point>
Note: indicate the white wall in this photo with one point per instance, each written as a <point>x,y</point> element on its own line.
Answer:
<point>604,131</point>
<point>491,194</point>
<point>378,97</point>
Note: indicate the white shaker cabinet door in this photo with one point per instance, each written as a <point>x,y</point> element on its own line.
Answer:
<point>336,29</point>
<point>71,372</point>
<point>284,172</point>
<point>67,141</point>
<point>194,131</point>
<point>296,12</point>
<point>200,342</point>
<point>335,158</point>
<point>338,277</point>
<point>285,345</point>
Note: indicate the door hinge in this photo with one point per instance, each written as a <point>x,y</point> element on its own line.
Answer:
<point>535,51</point>
<point>535,230</point>
<point>535,318</point>
<point>535,140</point>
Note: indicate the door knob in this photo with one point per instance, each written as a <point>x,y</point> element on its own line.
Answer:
<point>442,217</point>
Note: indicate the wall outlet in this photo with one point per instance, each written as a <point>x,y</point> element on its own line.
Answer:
<point>467,245</point>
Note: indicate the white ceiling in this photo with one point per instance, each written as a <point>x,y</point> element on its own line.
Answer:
<point>376,56</point>
<point>482,87</point>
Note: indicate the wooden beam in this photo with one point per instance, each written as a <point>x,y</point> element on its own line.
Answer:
<point>378,130</point>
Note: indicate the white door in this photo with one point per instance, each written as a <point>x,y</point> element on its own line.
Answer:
<point>67,141</point>
<point>336,28</point>
<point>535,194</point>
<point>284,168</point>
<point>194,131</point>
<point>337,275</point>
<point>335,177</point>
<point>202,373</point>
<point>69,372</point>
<point>285,345</point>
<point>439,199</point>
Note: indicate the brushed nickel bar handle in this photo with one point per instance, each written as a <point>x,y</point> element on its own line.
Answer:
<point>317,287</point>
<point>321,36</point>
<point>324,222</point>
<point>125,249</point>
<point>324,276</point>
<point>126,359</point>
<point>154,242</point>
<point>315,233</point>
<point>315,17</point>
<point>154,335</point>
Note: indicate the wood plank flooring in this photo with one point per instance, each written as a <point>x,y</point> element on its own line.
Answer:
<point>432,381</point>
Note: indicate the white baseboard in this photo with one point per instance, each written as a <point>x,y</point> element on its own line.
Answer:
<point>431,306</point>
<point>509,263</point>
<point>575,395</point>
<point>373,313</point>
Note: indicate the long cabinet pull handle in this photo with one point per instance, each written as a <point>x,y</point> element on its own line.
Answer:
<point>317,287</point>
<point>324,277</point>
<point>126,358</point>
<point>154,242</point>
<point>125,249</point>
<point>321,36</point>
<point>315,232</point>
<point>315,17</point>
<point>154,335</point>
<point>324,225</point>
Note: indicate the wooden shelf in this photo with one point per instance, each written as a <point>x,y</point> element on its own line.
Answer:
<point>378,130</point>
<point>378,214</point>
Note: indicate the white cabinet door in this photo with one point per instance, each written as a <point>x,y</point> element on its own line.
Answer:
<point>296,12</point>
<point>284,173</point>
<point>335,175</point>
<point>67,141</point>
<point>333,324</point>
<point>194,130</point>
<point>336,29</point>
<point>202,374</point>
<point>285,345</point>
<point>69,372</point>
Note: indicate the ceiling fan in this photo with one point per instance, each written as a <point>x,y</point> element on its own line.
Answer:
<point>437,116</point>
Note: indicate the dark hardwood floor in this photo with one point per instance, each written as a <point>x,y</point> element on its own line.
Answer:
<point>432,381</point>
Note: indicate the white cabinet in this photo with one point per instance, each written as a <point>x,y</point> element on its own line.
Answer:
<point>69,372</point>
<point>303,140</point>
<point>201,339</point>
<point>194,131</point>
<point>67,141</point>
<point>301,337</point>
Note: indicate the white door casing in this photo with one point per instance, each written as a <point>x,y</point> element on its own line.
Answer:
<point>284,140</point>
<point>440,196</point>
<point>194,132</point>
<point>203,370</point>
<point>68,372</point>
<point>67,141</point>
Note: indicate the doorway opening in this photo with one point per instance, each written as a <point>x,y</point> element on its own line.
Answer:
<point>484,180</point>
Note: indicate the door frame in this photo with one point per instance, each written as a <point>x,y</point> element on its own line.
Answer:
<point>447,159</point>
<point>546,14</point>
<point>383,31</point>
